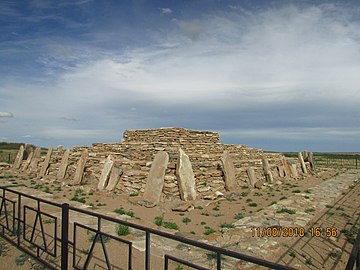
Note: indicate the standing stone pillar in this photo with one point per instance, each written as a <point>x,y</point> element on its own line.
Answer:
<point>303,167</point>
<point>59,148</point>
<point>115,174</point>
<point>229,171</point>
<point>19,157</point>
<point>46,163</point>
<point>80,168</point>
<point>286,167</point>
<point>251,174</point>
<point>294,171</point>
<point>28,161</point>
<point>35,159</point>
<point>312,161</point>
<point>104,177</point>
<point>267,172</point>
<point>155,180</point>
<point>281,171</point>
<point>63,165</point>
<point>185,177</point>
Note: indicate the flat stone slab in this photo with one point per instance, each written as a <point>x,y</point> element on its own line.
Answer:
<point>80,168</point>
<point>229,171</point>
<point>104,177</point>
<point>46,163</point>
<point>114,178</point>
<point>185,177</point>
<point>63,165</point>
<point>155,181</point>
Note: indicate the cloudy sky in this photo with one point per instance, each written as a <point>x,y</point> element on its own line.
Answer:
<point>277,75</point>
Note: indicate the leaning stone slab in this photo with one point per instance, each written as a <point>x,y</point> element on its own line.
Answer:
<point>28,161</point>
<point>185,177</point>
<point>115,174</point>
<point>155,180</point>
<point>303,167</point>
<point>286,167</point>
<point>35,159</point>
<point>251,174</point>
<point>46,163</point>
<point>281,170</point>
<point>80,168</point>
<point>104,177</point>
<point>229,171</point>
<point>63,165</point>
<point>267,171</point>
<point>19,158</point>
<point>294,171</point>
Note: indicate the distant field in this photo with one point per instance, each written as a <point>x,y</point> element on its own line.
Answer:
<point>8,151</point>
<point>350,160</point>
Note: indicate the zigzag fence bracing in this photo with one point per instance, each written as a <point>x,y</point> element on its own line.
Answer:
<point>61,236</point>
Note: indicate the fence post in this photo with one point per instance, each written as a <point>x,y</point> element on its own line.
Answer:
<point>64,236</point>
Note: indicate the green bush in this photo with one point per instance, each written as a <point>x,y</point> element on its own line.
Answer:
<point>122,230</point>
<point>171,225</point>
<point>159,220</point>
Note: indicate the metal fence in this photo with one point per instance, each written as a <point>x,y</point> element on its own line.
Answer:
<point>55,239</point>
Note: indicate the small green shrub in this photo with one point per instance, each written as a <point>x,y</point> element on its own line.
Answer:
<point>186,220</point>
<point>309,210</point>
<point>227,225</point>
<point>285,210</point>
<point>122,230</point>
<point>209,231</point>
<point>171,225</point>
<point>253,204</point>
<point>238,216</point>
<point>159,220</point>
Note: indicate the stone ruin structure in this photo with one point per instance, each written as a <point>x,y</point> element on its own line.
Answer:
<point>165,163</point>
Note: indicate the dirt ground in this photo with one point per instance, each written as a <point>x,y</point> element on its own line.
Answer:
<point>209,218</point>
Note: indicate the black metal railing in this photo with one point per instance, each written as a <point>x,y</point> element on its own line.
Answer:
<point>354,259</point>
<point>25,223</point>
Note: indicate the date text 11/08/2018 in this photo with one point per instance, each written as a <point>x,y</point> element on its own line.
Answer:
<point>293,232</point>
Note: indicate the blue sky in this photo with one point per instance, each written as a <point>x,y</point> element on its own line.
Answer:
<point>277,75</point>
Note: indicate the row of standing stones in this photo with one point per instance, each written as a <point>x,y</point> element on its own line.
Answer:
<point>165,163</point>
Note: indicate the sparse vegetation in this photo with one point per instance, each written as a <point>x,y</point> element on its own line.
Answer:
<point>122,211</point>
<point>209,231</point>
<point>122,230</point>
<point>186,220</point>
<point>171,225</point>
<point>253,204</point>
<point>238,216</point>
<point>227,225</point>
<point>309,210</point>
<point>159,220</point>
<point>285,210</point>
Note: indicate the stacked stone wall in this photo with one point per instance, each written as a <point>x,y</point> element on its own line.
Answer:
<point>134,155</point>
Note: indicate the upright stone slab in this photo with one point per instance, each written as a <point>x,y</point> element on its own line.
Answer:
<point>185,177</point>
<point>267,171</point>
<point>115,174</point>
<point>155,180</point>
<point>80,168</point>
<point>28,161</point>
<point>312,161</point>
<point>63,165</point>
<point>46,163</point>
<point>281,171</point>
<point>59,148</point>
<point>19,157</point>
<point>104,177</point>
<point>35,159</point>
<point>294,171</point>
<point>251,174</point>
<point>303,167</point>
<point>286,167</point>
<point>229,171</point>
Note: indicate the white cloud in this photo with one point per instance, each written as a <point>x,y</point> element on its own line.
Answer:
<point>165,10</point>
<point>6,114</point>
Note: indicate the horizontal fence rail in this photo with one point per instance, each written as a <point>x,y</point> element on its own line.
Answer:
<point>41,234</point>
